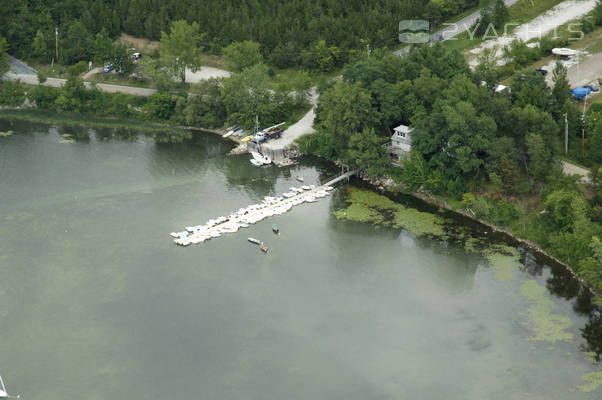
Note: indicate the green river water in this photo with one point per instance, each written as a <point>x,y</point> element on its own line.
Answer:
<point>97,302</point>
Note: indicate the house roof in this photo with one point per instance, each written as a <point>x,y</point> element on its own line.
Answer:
<point>402,129</point>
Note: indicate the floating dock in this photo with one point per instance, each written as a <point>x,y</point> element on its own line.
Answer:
<point>254,213</point>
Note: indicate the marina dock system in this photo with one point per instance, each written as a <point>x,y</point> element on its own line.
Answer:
<point>256,212</point>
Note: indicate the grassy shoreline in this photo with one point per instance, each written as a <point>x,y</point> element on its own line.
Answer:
<point>48,117</point>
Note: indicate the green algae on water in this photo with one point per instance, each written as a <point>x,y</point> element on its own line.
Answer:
<point>504,260</point>
<point>594,382</point>
<point>368,206</point>
<point>546,326</point>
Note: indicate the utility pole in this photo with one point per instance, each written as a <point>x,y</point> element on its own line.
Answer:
<point>56,43</point>
<point>583,128</point>
<point>566,133</point>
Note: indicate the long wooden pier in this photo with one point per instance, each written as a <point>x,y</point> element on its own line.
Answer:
<point>256,213</point>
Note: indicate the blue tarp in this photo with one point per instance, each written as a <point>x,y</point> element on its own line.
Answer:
<point>580,92</point>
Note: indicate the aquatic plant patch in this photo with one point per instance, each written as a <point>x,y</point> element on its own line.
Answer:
<point>546,326</point>
<point>594,382</point>
<point>504,260</point>
<point>368,206</point>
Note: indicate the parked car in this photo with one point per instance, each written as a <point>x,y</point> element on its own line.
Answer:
<point>108,68</point>
<point>541,71</point>
<point>593,88</point>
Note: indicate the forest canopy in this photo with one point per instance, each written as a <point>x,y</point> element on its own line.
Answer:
<point>285,29</point>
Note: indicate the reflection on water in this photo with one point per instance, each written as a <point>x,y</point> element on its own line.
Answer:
<point>96,300</point>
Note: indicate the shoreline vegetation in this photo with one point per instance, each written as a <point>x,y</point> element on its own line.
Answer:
<point>494,155</point>
<point>377,185</point>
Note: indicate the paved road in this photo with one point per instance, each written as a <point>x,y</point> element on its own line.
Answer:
<point>19,67</point>
<point>457,28</point>
<point>300,128</point>
<point>572,169</point>
<point>105,87</point>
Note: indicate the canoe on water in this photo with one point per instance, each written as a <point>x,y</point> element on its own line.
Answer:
<point>254,241</point>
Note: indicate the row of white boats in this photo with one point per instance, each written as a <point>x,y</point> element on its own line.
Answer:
<point>252,214</point>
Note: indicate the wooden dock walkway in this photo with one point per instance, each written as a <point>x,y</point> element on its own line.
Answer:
<point>264,210</point>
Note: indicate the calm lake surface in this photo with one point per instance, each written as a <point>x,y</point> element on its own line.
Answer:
<point>97,302</point>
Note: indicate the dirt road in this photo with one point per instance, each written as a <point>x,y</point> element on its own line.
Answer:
<point>572,169</point>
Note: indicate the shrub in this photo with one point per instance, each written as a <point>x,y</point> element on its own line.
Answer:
<point>12,94</point>
<point>43,97</point>
<point>161,105</point>
<point>78,68</point>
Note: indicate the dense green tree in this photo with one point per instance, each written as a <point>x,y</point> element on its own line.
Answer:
<point>157,74</point>
<point>121,58</point>
<point>76,45</point>
<point>102,48</point>
<point>598,13</point>
<point>39,48</point>
<point>180,49</point>
<point>500,13</point>
<point>161,105</point>
<point>345,109</point>
<point>589,268</point>
<point>204,106</point>
<point>366,150</point>
<point>326,57</point>
<point>486,69</point>
<point>241,55</point>
<point>540,156</point>
<point>561,89</point>
<point>454,138</point>
<point>4,66</point>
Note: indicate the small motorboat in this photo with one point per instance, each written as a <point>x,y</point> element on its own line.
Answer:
<point>254,241</point>
<point>256,163</point>
<point>276,229</point>
<point>563,52</point>
<point>305,187</point>
<point>264,247</point>
<point>261,158</point>
<point>299,178</point>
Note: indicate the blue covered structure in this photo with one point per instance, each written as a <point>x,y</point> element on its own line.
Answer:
<point>580,92</point>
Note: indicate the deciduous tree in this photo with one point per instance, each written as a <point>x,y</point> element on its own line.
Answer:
<point>180,49</point>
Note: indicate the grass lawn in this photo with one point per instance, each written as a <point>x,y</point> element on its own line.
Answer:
<point>52,71</point>
<point>526,10</point>
<point>74,119</point>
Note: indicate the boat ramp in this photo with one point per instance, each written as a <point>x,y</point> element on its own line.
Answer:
<point>254,213</point>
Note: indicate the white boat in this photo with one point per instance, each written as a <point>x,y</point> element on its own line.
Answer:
<point>4,394</point>
<point>305,187</point>
<point>256,163</point>
<point>261,158</point>
<point>228,134</point>
<point>563,52</point>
